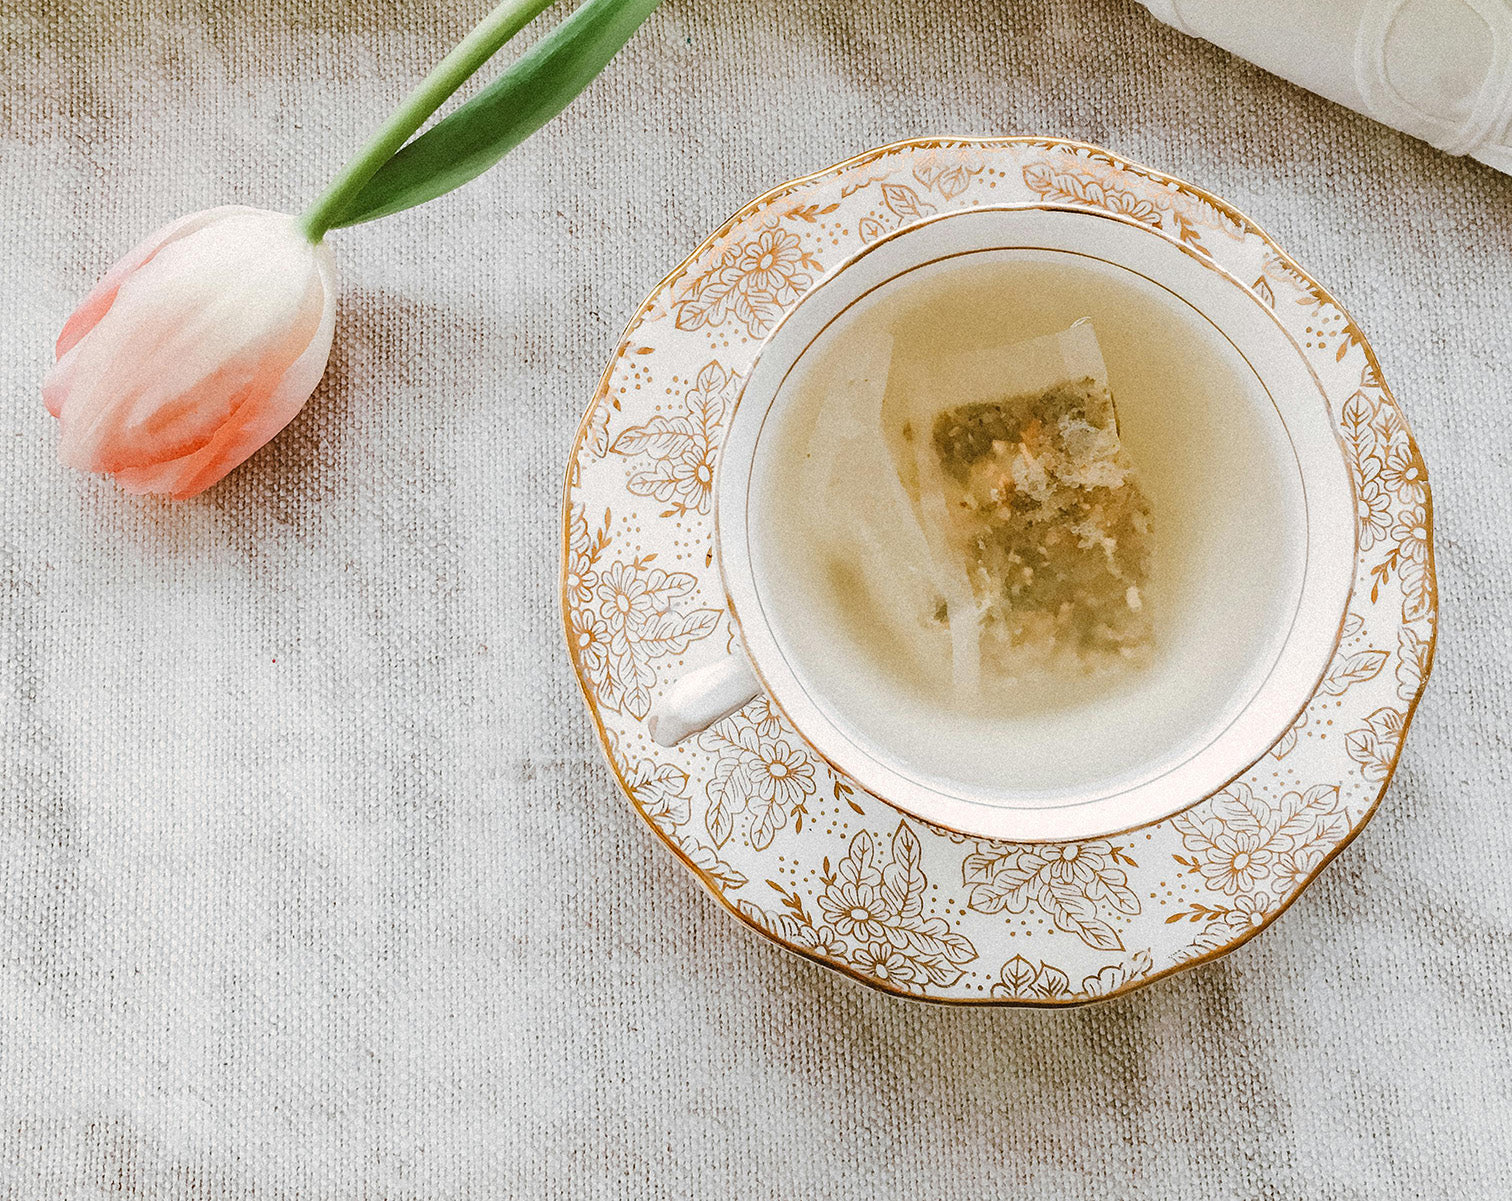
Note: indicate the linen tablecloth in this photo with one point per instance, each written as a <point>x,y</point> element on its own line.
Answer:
<point>313,882</point>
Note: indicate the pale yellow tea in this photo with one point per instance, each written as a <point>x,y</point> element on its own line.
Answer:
<point>979,505</point>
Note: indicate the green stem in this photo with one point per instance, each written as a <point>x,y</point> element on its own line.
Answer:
<point>506,20</point>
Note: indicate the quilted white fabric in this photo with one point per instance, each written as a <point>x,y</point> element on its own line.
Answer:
<point>313,882</point>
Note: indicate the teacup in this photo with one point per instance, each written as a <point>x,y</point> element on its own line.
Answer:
<point>1250,480</point>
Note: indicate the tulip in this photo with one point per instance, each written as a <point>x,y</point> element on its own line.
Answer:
<point>204,341</point>
<point>194,350</point>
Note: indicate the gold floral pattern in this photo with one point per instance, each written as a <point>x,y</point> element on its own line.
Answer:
<point>764,718</point>
<point>1391,484</point>
<point>752,283</point>
<point>1100,181</point>
<point>1075,186</point>
<point>796,850</point>
<point>623,617</point>
<point>1373,504</point>
<point>1411,559</point>
<point>874,918</point>
<point>1222,925</point>
<point>1402,471</point>
<point>1081,885</point>
<point>679,449</point>
<point>761,774</point>
<point>1236,839</point>
<point>583,551</point>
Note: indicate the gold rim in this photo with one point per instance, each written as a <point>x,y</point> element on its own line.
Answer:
<point>1244,221</point>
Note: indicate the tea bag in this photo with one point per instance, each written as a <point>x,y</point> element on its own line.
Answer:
<point>874,547</point>
<point>1037,530</point>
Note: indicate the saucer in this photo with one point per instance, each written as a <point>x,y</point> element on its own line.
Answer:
<point>802,854</point>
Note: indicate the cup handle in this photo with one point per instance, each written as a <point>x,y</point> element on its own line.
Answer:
<point>705,695</point>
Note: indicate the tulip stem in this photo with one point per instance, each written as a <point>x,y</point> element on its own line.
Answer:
<point>484,40</point>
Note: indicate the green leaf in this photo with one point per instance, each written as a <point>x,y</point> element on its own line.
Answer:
<point>544,81</point>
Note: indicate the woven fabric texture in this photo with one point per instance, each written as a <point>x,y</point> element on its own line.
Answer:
<point>313,882</point>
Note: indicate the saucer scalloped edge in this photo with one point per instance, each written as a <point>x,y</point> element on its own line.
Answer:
<point>800,853</point>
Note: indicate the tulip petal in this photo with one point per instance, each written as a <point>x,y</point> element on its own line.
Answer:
<point>254,424</point>
<point>211,323</point>
<point>59,380</point>
<point>103,294</point>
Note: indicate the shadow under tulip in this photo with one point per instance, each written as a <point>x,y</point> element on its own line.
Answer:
<point>310,463</point>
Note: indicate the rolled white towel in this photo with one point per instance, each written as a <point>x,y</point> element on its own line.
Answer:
<point>1440,70</point>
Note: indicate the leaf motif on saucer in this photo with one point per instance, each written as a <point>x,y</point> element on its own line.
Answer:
<point>1353,669</point>
<point>948,172</point>
<point>1287,743</point>
<point>679,449</point>
<point>661,791</point>
<point>1374,745</point>
<point>1414,653</point>
<point>1080,885</point>
<point>1021,978</point>
<point>1115,977</point>
<point>904,202</point>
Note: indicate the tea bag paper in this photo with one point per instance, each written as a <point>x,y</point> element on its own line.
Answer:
<point>872,534</point>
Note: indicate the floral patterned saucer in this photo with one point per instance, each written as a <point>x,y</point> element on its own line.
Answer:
<point>801,854</point>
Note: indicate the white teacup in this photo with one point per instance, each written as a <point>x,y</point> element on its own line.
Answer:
<point>1251,481</point>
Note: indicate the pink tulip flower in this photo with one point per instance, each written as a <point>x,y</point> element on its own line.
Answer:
<point>194,350</point>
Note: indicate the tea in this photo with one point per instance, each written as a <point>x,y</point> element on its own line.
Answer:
<point>1191,599</point>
